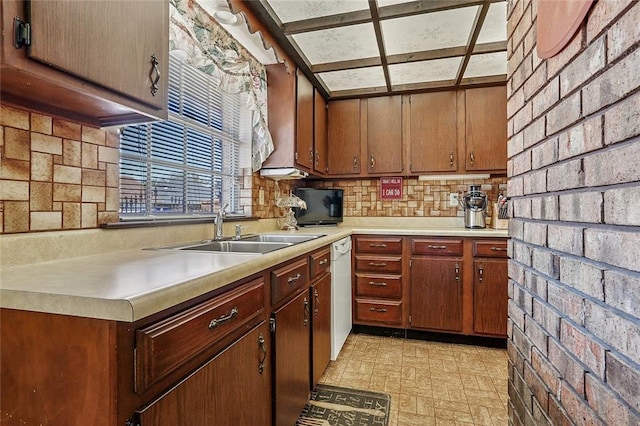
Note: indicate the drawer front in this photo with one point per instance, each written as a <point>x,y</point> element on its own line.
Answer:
<point>319,262</point>
<point>383,286</point>
<point>383,312</point>
<point>378,264</point>
<point>164,346</point>
<point>490,248</point>
<point>436,246</point>
<point>288,279</point>
<point>384,245</point>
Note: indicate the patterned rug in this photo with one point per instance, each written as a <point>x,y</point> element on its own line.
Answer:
<point>336,406</point>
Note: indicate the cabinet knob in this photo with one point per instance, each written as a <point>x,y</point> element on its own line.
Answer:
<point>373,162</point>
<point>472,157</point>
<point>451,159</point>
<point>355,161</point>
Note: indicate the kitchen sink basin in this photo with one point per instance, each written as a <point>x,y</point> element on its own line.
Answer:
<point>237,246</point>
<point>280,238</point>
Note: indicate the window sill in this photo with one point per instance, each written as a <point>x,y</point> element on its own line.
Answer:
<point>156,221</point>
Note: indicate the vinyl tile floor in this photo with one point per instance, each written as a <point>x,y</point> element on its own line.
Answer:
<point>430,383</point>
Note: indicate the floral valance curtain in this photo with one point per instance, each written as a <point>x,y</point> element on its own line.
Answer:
<point>211,49</point>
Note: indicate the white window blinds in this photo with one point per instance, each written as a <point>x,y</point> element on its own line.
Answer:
<point>189,164</point>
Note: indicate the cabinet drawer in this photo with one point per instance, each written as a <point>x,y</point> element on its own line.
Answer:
<point>287,279</point>
<point>319,262</point>
<point>436,246</point>
<point>490,248</point>
<point>384,286</point>
<point>384,312</point>
<point>378,264</point>
<point>385,245</point>
<point>164,346</point>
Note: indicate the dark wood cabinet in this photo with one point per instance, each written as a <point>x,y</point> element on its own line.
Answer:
<point>384,135</point>
<point>343,135</point>
<point>97,63</point>
<point>486,129</point>
<point>378,288</point>
<point>490,296</point>
<point>321,330</point>
<point>436,293</point>
<point>222,390</point>
<point>433,135</point>
<point>290,104</point>
<point>320,145</point>
<point>291,325</point>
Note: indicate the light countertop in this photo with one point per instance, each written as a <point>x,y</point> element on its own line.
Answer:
<point>128,285</point>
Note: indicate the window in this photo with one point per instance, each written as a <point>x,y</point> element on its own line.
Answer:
<point>189,164</point>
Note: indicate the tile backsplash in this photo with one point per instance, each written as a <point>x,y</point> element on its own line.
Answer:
<point>55,174</point>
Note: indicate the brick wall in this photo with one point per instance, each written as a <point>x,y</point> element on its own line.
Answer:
<point>55,174</point>
<point>574,179</point>
<point>420,198</point>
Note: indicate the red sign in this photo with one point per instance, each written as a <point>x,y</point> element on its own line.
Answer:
<point>391,188</point>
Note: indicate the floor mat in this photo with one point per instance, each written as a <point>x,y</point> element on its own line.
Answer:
<point>336,406</point>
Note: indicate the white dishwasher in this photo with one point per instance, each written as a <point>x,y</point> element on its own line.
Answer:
<point>340,294</point>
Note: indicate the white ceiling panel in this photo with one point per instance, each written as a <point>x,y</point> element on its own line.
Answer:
<point>358,78</point>
<point>487,64</point>
<point>338,44</point>
<point>424,71</point>
<point>297,10</point>
<point>428,31</point>
<point>494,27</point>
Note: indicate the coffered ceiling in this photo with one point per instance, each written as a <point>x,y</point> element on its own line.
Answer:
<point>372,47</point>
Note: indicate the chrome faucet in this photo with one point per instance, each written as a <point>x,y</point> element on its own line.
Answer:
<point>218,222</point>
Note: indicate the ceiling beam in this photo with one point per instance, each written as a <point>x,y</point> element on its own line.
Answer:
<point>326,22</point>
<point>423,6</point>
<point>373,7</point>
<point>477,27</point>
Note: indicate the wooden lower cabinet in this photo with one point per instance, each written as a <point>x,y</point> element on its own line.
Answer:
<point>490,294</point>
<point>436,294</point>
<point>232,389</point>
<point>321,329</point>
<point>291,325</point>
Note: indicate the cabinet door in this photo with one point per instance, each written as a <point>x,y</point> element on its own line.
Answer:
<point>384,135</point>
<point>490,296</point>
<point>291,355</point>
<point>320,133</point>
<point>486,128</point>
<point>107,43</point>
<point>220,391</point>
<point>433,132</point>
<point>304,121</point>
<point>436,294</point>
<point>321,331</point>
<point>343,133</point>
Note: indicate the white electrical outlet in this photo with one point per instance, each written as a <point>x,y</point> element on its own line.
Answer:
<point>261,197</point>
<point>453,199</point>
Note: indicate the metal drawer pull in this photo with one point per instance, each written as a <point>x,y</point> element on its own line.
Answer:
<point>378,284</point>
<point>316,301</point>
<point>307,312</point>
<point>380,245</point>
<point>457,272</point>
<point>216,322</point>
<point>291,280</point>
<point>381,264</point>
<point>381,310</point>
<point>480,273</point>
<point>263,356</point>
<point>323,262</point>
<point>436,247</point>
<point>472,158</point>
<point>499,248</point>
<point>451,159</point>
<point>154,75</point>
<point>355,161</point>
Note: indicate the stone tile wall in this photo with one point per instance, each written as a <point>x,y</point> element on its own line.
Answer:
<point>574,150</point>
<point>55,174</point>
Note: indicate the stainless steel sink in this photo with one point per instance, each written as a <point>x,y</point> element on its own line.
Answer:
<point>237,246</point>
<point>280,238</point>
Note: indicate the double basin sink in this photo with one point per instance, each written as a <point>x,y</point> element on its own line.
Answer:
<point>253,244</point>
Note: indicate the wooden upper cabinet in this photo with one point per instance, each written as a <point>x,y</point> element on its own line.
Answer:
<point>97,63</point>
<point>320,133</point>
<point>486,128</point>
<point>304,121</point>
<point>433,132</point>
<point>343,133</point>
<point>384,135</point>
